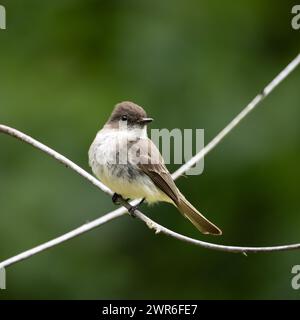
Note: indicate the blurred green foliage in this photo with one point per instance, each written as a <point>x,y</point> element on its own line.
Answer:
<point>191,64</point>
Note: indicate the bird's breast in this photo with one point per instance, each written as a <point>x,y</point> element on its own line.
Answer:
<point>126,178</point>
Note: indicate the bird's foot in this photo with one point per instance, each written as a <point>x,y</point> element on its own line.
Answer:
<point>116,199</point>
<point>133,208</point>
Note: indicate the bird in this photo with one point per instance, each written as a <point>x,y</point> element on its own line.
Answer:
<point>124,159</point>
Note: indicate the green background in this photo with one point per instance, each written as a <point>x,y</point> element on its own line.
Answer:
<point>192,64</point>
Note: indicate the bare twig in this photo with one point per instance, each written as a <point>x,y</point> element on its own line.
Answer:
<point>150,223</point>
<point>252,105</point>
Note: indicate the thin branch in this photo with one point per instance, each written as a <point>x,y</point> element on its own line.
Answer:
<point>151,224</point>
<point>54,154</point>
<point>65,237</point>
<point>252,105</point>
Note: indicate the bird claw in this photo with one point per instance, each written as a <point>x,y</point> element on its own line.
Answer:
<point>133,208</point>
<point>132,211</point>
<point>116,198</point>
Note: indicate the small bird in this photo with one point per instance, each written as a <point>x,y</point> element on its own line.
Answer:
<point>128,162</point>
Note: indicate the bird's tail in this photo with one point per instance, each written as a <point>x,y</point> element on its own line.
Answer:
<point>197,219</point>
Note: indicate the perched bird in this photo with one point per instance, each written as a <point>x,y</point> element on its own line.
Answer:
<point>128,162</point>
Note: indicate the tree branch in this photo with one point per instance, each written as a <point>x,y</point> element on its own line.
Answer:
<point>150,223</point>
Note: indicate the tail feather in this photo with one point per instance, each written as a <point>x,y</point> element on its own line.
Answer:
<point>197,219</point>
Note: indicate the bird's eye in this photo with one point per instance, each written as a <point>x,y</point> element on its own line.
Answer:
<point>124,117</point>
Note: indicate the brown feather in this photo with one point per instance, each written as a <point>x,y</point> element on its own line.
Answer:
<point>161,177</point>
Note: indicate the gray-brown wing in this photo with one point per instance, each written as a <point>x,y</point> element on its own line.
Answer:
<point>152,164</point>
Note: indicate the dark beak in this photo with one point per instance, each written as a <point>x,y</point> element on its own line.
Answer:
<point>146,120</point>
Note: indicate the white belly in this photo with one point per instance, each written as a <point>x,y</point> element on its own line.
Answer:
<point>124,179</point>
